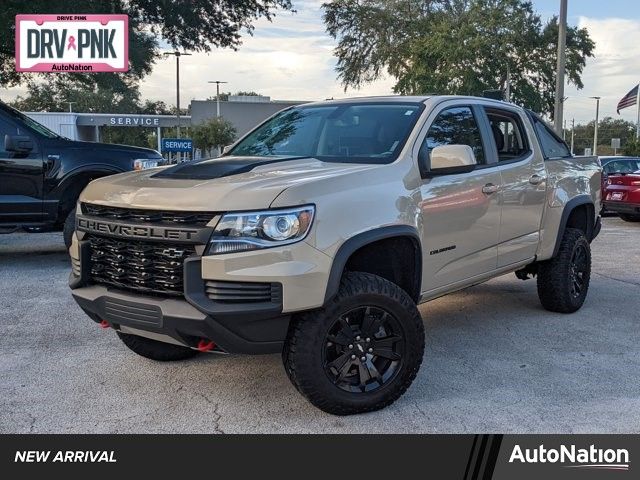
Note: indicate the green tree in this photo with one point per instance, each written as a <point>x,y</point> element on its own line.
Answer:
<point>454,47</point>
<point>213,133</point>
<point>608,128</point>
<point>196,25</point>
<point>632,147</point>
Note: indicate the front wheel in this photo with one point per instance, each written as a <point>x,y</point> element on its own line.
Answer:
<point>563,281</point>
<point>359,353</point>
<point>68,228</point>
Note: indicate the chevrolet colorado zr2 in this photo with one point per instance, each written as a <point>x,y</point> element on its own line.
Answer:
<point>318,233</point>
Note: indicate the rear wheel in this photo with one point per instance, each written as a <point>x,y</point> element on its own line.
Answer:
<point>630,218</point>
<point>563,281</point>
<point>154,350</point>
<point>359,353</point>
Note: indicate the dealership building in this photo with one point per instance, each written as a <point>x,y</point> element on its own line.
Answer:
<point>244,112</point>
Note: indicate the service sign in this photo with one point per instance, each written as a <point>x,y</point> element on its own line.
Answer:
<point>72,43</point>
<point>177,145</point>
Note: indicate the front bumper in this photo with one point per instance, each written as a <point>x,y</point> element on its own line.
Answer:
<point>622,207</point>
<point>248,328</point>
<point>169,319</point>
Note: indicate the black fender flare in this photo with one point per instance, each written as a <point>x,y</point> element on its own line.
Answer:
<point>95,170</point>
<point>352,244</point>
<point>566,213</point>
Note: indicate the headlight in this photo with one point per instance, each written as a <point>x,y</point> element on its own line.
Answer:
<point>239,232</point>
<point>144,163</point>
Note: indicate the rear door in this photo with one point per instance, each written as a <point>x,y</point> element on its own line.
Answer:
<point>21,179</point>
<point>523,177</point>
<point>460,213</point>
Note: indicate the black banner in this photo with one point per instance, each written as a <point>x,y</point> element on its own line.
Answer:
<point>464,457</point>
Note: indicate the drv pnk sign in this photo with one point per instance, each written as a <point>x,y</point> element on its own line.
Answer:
<point>72,43</point>
<point>177,145</point>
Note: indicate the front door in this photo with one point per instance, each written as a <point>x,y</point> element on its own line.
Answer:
<point>21,180</point>
<point>460,212</point>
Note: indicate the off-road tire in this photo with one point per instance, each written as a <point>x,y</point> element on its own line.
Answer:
<point>68,228</point>
<point>303,351</point>
<point>555,280</point>
<point>630,218</point>
<point>154,350</point>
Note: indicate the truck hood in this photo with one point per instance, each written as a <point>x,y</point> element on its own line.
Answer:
<point>134,152</point>
<point>223,184</point>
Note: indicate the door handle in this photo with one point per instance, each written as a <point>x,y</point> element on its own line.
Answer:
<point>489,188</point>
<point>536,179</point>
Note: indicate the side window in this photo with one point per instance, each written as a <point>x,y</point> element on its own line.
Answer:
<point>455,126</point>
<point>6,128</point>
<point>508,134</point>
<point>552,146</point>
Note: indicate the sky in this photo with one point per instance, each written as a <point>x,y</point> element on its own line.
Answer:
<point>291,58</point>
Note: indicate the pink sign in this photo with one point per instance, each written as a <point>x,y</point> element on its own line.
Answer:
<point>72,43</point>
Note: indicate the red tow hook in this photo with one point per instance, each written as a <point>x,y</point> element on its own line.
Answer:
<point>205,345</point>
<point>104,324</point>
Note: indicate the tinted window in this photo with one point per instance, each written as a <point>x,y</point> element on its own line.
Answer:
<point>372,133</point>
<point>6,129</point>
<point>622,166</point>
<point>31,124</point>
<point>552,146</point>
<point>455,126</point>
<point>508,133</point>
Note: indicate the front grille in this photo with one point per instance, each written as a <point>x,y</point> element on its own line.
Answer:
<point>151,267</point>
<point>243,292</point>
<point>161,217</point>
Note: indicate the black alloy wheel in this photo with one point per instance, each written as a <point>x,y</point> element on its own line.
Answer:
<point>360,351</point>
<point>364,349</point>
<point>578,271</point>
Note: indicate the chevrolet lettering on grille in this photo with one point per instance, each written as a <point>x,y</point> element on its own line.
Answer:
<point>141,231</point>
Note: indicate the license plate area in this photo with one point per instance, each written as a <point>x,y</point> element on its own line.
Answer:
<point>616,196</point>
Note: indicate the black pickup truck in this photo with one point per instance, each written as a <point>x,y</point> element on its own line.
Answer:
<point>42,173</point>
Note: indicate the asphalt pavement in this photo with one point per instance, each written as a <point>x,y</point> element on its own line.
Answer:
<point>495,362</point>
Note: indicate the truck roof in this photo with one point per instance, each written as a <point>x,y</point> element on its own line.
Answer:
<point>404,99</point>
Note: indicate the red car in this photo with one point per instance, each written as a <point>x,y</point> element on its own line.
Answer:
<point>622,188</point>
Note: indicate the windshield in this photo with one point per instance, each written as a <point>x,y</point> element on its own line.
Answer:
<point>367,133</point>
<point>622,166</point>
<point>31,123</point>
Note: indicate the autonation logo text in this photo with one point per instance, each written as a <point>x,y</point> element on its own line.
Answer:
<point>574,457</point>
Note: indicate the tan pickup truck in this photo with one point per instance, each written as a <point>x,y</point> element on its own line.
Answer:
<point>318,233</point>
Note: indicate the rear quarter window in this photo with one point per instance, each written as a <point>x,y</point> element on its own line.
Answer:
<point>552,146</point>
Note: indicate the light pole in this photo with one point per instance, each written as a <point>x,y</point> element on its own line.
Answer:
<point>562,42</point>
<point>177,55</point>
<point>217,82</point>
<point>573,129</point>
<point>70,103</point>
<point>595,130</point>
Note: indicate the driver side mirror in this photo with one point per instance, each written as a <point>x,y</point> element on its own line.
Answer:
<point>18,143</point>
<point>447,160</point>
<point>226,149</point>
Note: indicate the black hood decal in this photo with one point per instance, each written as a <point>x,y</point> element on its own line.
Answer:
<point>210,168</point>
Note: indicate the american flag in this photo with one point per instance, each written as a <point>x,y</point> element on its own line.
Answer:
<point>629,99</point>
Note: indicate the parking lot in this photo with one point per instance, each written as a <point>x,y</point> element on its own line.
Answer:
<point>495,362</point>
